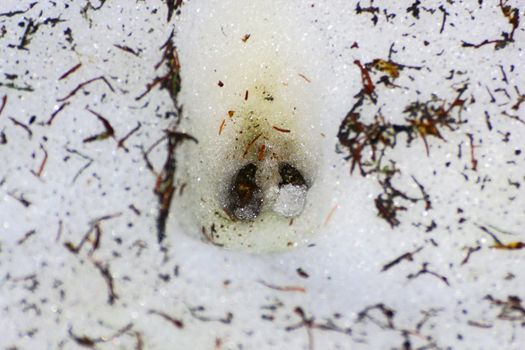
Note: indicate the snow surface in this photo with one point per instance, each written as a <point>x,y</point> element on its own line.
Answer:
<point>332,279</point>
<point>290,200</point>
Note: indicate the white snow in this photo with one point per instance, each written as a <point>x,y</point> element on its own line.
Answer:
<point>271,285</point>
<point>290,200</point>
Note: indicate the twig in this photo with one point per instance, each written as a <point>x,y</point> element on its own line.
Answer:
<point>4,102</point>
<point>424,270</point>
<point>80,86</point>
<point>70,71</point>
<point>195,312</point>
<point>58,110</point>
<point>22,125</point>
<point>120,143</point>
<point>249,145</point>
<point>106,274</point>
<point>283,288</point>
<point>87,165</point>
<point>176,322</point>
<point>407,256</point>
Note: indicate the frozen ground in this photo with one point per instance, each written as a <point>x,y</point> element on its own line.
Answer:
<point>419,247</point>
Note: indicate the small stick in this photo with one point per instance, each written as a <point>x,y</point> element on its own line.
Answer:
<point>305,78</point>
<point>283,288</point>
<point>43,164</point>
<point>280,129</point>
<point>474,161</point>
<point>80,86</point>
<point>4,102</point>
<point>330,214</point>
<point>54,114</point>
<point>250,145</point>
<point>222,126</point>
<point>127,49</point>
<point>70,71</point>
<point>176,322</point>
<point>260,155</point>
<point>22,125</point>
<point>120,143</point>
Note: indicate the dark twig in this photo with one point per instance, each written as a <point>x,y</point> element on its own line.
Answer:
<point>424,270</point>
<point>87,165</point>
<point>90,342</point>
<point>58,110</point>
<point>23,126</point>
<point>120,143</point>
<point>4,102</point>
<point>470,251</point>
<point>407,256</point>
<point>176,322</point>
<point>82,85</point>
<point>196,312</point>
<point>108,129</point>
<point>70,71</point>
<point>108,278</point>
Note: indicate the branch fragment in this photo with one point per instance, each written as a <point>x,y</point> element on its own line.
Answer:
<point>176,322</point>
<point>407,256</point>
<point>82,85</point>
